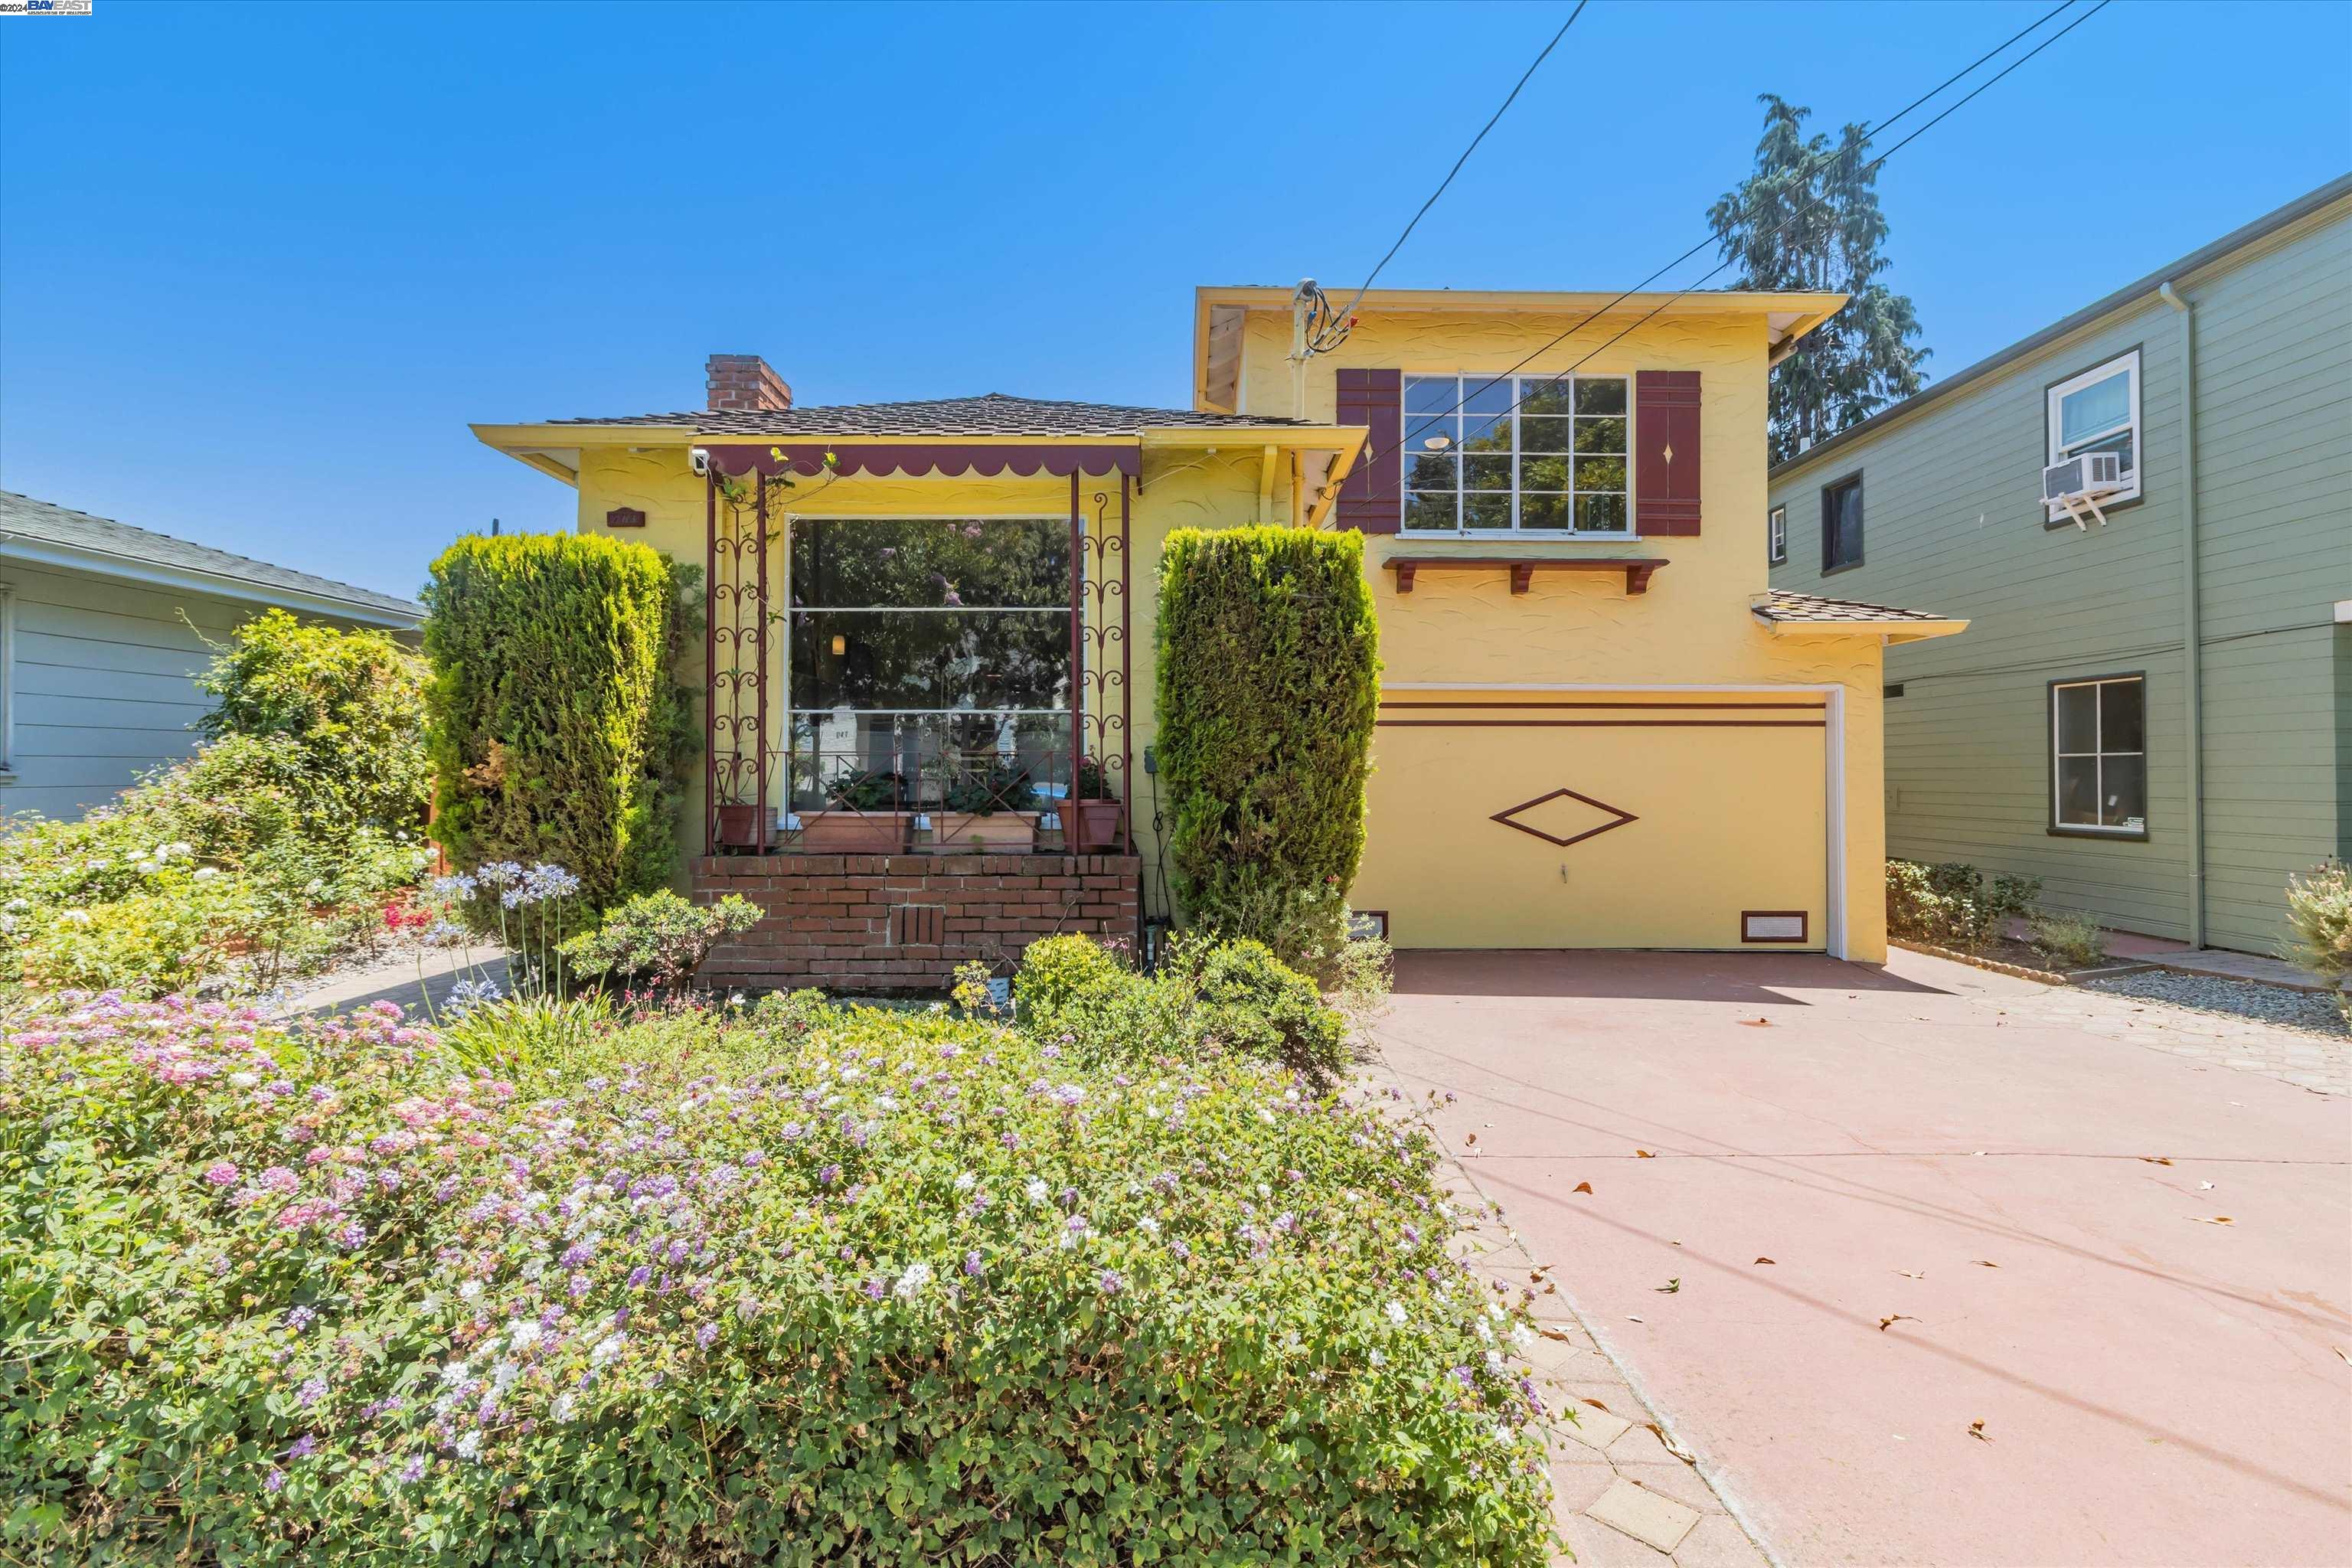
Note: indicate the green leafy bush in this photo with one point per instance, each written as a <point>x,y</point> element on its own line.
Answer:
<point>1950,905</point>
<point>1268,685</point>
<point>350,704</point>
<point>2072,941</point>
<point>1210,999</point>
<point>558,733</point>
<point>658,938</point>
<point>276,846</point>
<point>2319,913</point>
<point>845,1287</point>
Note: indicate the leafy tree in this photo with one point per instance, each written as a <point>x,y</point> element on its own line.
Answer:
<point>1808,219</point>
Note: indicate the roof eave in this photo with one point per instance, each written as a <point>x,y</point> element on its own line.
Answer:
<point>1890,631</point>
<point>130,568</point>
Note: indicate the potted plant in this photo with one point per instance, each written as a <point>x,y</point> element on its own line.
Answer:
<point>863,816</point>
<point>993,806</point>
<point>1092,817</point>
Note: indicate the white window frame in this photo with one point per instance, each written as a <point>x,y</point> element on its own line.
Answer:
<point>1776,537</point>
<point>2099,754</point>
<point>1466,381</point>
<point>2052,423</point>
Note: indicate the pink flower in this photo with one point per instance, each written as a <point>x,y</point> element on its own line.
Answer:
<point>278,1178</point>
<point>222,1174</point>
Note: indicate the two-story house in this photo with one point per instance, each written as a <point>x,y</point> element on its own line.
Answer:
<point>2144,510</point>
<point>1598,728</point>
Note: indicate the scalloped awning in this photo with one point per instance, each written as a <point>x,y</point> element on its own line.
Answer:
<point>953,458</point>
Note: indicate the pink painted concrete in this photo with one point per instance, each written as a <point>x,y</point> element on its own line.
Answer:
<point>2156,1390</point>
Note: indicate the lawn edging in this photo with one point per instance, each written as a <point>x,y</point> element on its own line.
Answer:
<point>2016,971</point>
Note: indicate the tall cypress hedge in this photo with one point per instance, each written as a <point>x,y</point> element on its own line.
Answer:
<point>1268,684</point>
<point>556,729</point>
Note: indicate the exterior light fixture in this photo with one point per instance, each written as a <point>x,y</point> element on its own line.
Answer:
<point>840,645</point>
<point>1438,443</point>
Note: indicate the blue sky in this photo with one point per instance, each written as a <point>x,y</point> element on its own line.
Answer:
<point>260,264</point>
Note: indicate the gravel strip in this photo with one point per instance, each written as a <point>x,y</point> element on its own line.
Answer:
<point>2304,1011</point>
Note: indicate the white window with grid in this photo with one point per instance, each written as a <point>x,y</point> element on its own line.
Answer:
<point>2098,756</point>
<point>2098,411</point>
<point>1486,456</point>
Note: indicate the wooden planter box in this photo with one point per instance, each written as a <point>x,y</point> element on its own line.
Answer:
<point>1092,827</point>
<point>855,832</point>
<point>1003,832</point>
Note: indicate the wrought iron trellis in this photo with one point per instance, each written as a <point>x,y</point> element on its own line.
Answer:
<point>1102,661</point>
<point>735,776</point>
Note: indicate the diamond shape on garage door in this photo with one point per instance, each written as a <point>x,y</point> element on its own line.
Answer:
<point>1563,816</point>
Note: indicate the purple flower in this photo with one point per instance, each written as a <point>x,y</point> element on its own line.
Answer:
<point>972,1265</point>
<point>703,1335</point>
<point>1109,1283</point>
<point>829,1175</point>
<point>874,1288</point>
<point>304,1446</point>
<point>274,1481</point>
<point>222,1174</point>
<point>313,1390</point>
<point>639,1275</point>
<point>299,1319</point>
<point>412,1471</point>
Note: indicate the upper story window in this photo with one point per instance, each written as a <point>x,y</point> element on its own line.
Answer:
<point>1776,536</point>
<point>1841,524</point>
<point>2098,411</point>
<point>1517,455</point>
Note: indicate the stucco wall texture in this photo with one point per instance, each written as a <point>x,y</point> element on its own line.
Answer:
<point>1732,812</point>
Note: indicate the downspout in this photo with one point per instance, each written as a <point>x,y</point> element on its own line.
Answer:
<point>2192,678</point>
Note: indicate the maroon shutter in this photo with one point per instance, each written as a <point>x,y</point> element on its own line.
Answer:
<point>1665,421</point>
<point>1371,502</point>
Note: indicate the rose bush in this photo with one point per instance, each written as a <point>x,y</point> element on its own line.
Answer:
<point>806,1285</point>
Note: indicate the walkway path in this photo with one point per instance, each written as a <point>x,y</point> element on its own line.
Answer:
<point>1924,1265</point>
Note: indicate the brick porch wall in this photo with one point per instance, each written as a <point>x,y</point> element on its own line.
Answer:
<point>903,922</point>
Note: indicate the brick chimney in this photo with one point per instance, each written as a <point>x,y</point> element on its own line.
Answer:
<point>744,383</point>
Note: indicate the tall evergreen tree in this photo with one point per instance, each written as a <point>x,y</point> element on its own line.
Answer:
<point>1808,219</point>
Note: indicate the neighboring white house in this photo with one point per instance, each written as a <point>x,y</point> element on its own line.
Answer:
<point>102,628</point>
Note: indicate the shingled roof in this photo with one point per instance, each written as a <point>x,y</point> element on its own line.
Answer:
<point>1782,607</point>
<point>44,522</point>
<point>995,414</point>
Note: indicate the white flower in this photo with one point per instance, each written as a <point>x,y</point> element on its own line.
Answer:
<point>966,1181</point>
<point>1377,1358</point>
<point>1035,1190</point>
<point>917,1276</point>
<point>1523,1338</point>
<point>566,1406</point>
<point>454,1374</point>
<point>469,1289</point>
<point>75,916</point>
<point>606,1350</point>
<point>207,873</point>
<point>1147,1226</point>
<point>1395,1314</point>
<point>469,1446</point>
<point>524,1332</point>
<point>503,1374</point>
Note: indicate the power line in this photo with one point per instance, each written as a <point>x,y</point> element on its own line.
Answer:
<point>1587,320</point>
<point>1490,124</point>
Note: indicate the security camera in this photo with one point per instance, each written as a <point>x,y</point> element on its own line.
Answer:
<point>698,460</point>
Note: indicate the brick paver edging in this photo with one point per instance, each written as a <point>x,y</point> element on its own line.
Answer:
<point>2015,970</point>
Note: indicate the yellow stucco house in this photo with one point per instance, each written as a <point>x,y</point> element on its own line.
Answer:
<point>930,633</point>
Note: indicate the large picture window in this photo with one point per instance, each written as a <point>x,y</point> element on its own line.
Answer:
<point>1485,455</point>
<point>2098,756</point>
<point>2098,411</point>
<point>922,649</point>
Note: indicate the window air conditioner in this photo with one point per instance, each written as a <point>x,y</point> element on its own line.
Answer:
<point>2080,482</point>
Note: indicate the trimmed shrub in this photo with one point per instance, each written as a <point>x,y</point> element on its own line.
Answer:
<point>1261,1008</point>
<point>657,938</point>
<point>349,703</point>
<point>858,1288</point>
<point>2072,941</point>
<point>2319,913</point>
<point>1268,685</point>
<point>557,731</point>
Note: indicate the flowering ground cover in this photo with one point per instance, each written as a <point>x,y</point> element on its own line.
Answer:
<point>799,1285</point>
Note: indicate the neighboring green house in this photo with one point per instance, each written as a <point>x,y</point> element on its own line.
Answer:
<point>2152,710</point>
<point>103,627</point>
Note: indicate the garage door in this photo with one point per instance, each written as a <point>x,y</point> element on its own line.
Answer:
<point>1633,822</point>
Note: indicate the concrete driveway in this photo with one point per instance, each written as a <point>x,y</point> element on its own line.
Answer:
<point>2125,1247</point>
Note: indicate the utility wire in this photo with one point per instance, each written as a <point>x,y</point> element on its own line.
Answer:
<point>1490,124</point>
<point>1430,420</point>
<point>1866,168</point>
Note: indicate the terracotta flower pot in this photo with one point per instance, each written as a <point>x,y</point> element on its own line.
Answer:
<point>740,827</point>
<point>1092,827</point>
<point>846,831</point>
<point>1002,832</point>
